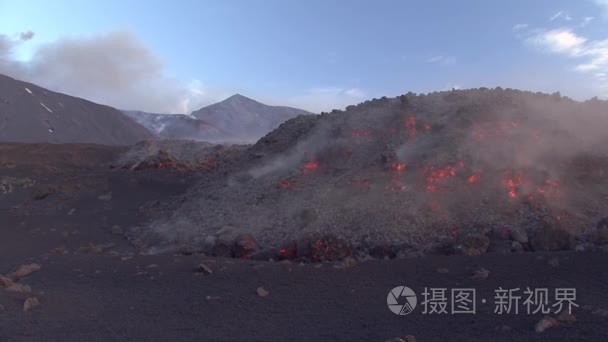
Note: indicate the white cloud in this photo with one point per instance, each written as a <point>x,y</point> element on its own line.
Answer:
<point>560,40</point>
<point>591,55</point>
<point>114,68</point>
<point>442,60</point>
<point>519,27</point>
<point>586,21</point>
<point>560,15</point>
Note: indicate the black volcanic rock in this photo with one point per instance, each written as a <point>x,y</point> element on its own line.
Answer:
<point>31,114</point>
<point>244,118</point>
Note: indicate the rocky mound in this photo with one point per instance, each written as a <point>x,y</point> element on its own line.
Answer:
<point>32,114</point>
<point>179,155</point>
<point>404,174</point>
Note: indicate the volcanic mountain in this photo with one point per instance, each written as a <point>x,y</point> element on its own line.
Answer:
<point>410,170</point>
<point>244,119</point>
<point>29,113</point>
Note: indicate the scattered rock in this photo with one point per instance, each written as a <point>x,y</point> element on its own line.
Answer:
<point>518,234</point>
<point>504,328</point>
<point>566,317</point>
<point>23,271</point>
<point>244,246</point>
<point>95,249</point>
<point>9,184</point>
<point>475,245</point>
<point>501,233</point>
<point>19,289</point>
<point>600,312</point>
<point>516,246</point>
<point>554,262</point>
<point>202,268</point>
<point>443,270</point>
<point>43,192</point>
<point>209,243</point>
<point>408,338</point>
<point>551,237</point>
<point>5,281</point>
<point>59,250</point>
<point>289,251</point>
<point>262,292</point>
<point>346,263</point>
<point>117,230</point>
<point>323,248</point>
<point>481,273</point>
<point>546,323</point>
<point>105,197</point>
<point>225,240</point>
<point>30,303</point>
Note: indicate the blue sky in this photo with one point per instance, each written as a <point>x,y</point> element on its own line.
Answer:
<point>314,54</point>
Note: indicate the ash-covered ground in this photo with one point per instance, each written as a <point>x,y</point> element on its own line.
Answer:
<point>404,175</point>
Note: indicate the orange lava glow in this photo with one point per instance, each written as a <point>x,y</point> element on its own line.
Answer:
<point>286,184</point>
<point>310,167</point>
<point>399,167</point>
<point>512,181</point>
<point>436,176</point>
<point>410,124</point>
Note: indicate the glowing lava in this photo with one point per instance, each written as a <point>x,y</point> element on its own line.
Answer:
<point>512,181</point>
<point>474,178</point>
<point>410,124</point>
<point>286,184</point>
<point>436,176</point>
<point>310,167</point>
<point>399,167</point>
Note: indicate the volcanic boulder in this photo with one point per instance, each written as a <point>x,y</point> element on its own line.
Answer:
<point>600,235</point>
<point>552,237</point>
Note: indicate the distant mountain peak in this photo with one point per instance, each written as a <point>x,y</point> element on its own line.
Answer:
<point>239,98</point>
<point>245,118</point>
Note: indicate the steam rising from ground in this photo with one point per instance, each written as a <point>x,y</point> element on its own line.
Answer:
<point>115,69</point>
<point>411,169</point>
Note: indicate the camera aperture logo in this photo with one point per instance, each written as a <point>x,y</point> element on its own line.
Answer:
<point>401,300</point>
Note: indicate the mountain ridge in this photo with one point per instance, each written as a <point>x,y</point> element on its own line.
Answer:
<point>33,114</point>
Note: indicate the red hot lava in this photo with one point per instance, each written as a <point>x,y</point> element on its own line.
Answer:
<point>286,184</point>
<point>435,176</point>
<point>310,167</point>
<point>399,167</point>
<point>512,181</point>
<point>474,178</point>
